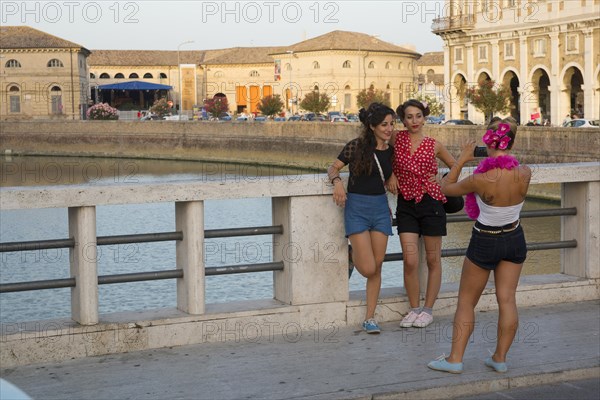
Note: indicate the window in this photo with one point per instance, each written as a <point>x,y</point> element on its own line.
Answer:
<point>104,75</point>
<point>316,88</point>
<point>347,100</point>
<point>288,67</point>
<point>92,76</point>
<point>388,65</point>
<point>509,51</point>
<point>572,46</point>
<point>371,65</point>
<point>458,55</point>
<point>539,47</point>
<point>316,65</point>
<point>163,75</point>
<point>133,75</point>
<point>55,63</point>
<point>15,99</point>
<point>483,52</point>
<point>13,64</point>
<point>347,64</point>
<point>148,75</point>
<point>400,65</point>
<point>119,75</point>
<point>56,100</point>
<point>254,74</point>
<point>511,3</point>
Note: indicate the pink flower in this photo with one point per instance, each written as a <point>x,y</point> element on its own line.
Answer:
<point>504,142</point>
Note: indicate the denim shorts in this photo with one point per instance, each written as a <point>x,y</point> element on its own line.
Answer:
<point>487,250</point>
<point>427,217</point>
<point>364,212</point>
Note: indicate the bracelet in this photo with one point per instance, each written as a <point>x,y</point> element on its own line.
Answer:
<point>334,178</point>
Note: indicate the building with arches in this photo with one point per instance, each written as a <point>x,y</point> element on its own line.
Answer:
<point>546,51</point>
<point>41,76</point>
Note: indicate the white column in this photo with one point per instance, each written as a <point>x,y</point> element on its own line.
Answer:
<point>525,88</point>
<point>83,261</point>
<point>581,261</point>
<point>189,219</point>
<point>590,107</point>
<point>471,79</point>
<point>495,56</point>
<point>313,249</point>
<point>555,104</point>
<point>449,104</point>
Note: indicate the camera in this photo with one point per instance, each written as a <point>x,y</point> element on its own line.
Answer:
<point>480,151</point>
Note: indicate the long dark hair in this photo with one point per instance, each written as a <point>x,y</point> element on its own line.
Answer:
<point>366,143</point>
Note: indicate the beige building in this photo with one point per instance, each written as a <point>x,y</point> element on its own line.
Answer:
<point>41,75</point>
<point>44,76</point>
<point>546,51</point>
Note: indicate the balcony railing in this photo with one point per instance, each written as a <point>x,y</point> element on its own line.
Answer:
<point>453,23</point>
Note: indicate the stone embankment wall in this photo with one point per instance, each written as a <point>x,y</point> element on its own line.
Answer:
<point>298,144</point>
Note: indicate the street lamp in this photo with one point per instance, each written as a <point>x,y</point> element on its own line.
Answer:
<point>291,53</point>
<point>179,72</point>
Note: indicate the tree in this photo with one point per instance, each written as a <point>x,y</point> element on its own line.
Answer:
<point>315,102</point>
<point>102,111</point>
<point>160,107</point>
<point>367,96</point>
<point>489,98</point>
<point>270,105</point>
<point>435,107</point>
<point>216,106</point>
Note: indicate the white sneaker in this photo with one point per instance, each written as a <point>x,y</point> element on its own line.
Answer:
<point>423,320</point>
<point>408,320</point>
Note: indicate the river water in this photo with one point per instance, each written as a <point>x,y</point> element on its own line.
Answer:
<point>43,224</point>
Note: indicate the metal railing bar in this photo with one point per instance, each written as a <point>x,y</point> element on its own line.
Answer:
<point>36,245</point>
<point>140,276</point>
<point>253,231</point>
<point>139,238</point>
<point>37,285</point>
<point>245,268</point>
<point>548,212</point>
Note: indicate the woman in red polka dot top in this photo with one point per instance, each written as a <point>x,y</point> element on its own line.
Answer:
<point>420,210</point>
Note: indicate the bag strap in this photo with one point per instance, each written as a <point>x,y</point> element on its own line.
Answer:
<point>380,170</point>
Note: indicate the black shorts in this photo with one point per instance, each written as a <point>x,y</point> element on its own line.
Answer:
<point>487,250</point>
<point>427,217</point>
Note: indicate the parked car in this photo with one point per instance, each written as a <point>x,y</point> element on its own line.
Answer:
<point>434,120</point>
<point>260,118</point>
<point>308,117</point>
<point>184,117</point>
<point>150,117</point>
<point>332,114</point>
<point>225,116</point>
<point>458,122</point>
<point>353,118</point>
<point>294,118</point>
<point>583,123</point>
<point>339,118</point>
<point>279,119</point>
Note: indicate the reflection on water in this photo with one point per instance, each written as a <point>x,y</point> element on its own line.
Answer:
<point>27,225</point>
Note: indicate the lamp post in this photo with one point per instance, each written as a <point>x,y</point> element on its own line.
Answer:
<point>291,53</point>
<point>179,79</point>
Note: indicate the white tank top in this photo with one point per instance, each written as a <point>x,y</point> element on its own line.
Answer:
<point>497,216</point>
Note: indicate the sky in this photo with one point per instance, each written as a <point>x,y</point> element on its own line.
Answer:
<point>167,25</point>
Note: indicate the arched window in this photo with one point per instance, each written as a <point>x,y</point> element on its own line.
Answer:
<point>388,65</point>
<point>371,65</point>
<point>148,75</point>
<point>55,63</point>
<point>119,75</point>
<point>13,64</point>
<point>288,67</point>
<point>163,75</point>
<point>14,94</point>
<point>92,76</point>
<point>133,75</point>
<point>316,88</point>
<point>104,75</point>
<point>56,100</point>
<point>316,65</point>
<point>347,64</point>
<point>400,65</point>
<point>254,73</point>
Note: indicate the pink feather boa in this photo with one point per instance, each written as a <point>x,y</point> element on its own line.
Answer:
<point>504,162</point>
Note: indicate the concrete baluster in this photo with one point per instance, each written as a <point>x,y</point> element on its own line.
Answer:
<point>581,261</point>
<point>83,261</point>
<point>313,249</point>
<point>189,219</point>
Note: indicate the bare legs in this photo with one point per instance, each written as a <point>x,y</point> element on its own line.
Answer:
<point>368,251</point>
<point>410,251</point>
<point>472,282</point>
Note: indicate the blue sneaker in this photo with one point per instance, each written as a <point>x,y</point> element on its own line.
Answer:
<point>497,366</point>
<point>370,326</point>
<point>442,365</point>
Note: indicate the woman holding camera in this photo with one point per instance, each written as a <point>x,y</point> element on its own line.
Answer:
<point>495,195</point>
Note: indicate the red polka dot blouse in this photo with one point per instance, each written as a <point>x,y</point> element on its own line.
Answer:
<point>415,170</point>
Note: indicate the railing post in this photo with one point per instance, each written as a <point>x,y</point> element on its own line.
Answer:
<point>83,261</point>
<point>313,249</point>
<point>581,261</point>
<point>189,219</point>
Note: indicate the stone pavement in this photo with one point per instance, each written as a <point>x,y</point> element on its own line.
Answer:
<point>555,344</point>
